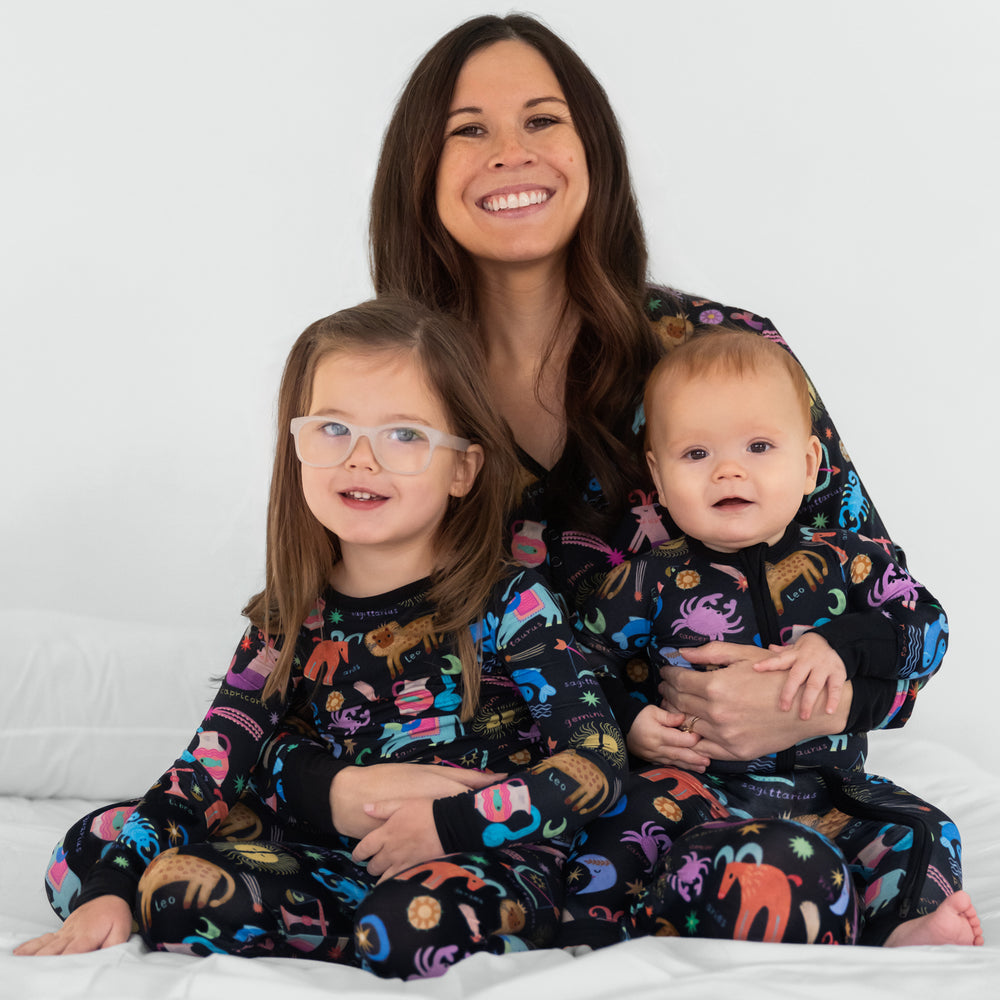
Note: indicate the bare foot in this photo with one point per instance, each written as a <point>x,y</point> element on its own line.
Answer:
<point>955,921</point>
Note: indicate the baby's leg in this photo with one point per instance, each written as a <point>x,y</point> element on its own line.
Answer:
<point>750,880</point>
<point>906,859</point>
<point>955,921</point>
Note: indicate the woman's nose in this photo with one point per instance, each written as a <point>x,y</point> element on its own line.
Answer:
<point>510,150</point>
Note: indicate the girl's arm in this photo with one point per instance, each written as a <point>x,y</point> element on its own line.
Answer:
<point>297,765</point>
<point>194,795</point>
<point>582,766</point>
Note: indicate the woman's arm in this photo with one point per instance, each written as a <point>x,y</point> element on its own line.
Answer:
<point>737,708</point>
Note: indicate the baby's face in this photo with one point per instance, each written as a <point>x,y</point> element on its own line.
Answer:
<point>731,456</point>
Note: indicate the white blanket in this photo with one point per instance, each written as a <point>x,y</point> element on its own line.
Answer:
<point>85,739</point>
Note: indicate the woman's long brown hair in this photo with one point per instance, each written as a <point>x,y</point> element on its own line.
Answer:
<point>301,552</point>
<point>411,253</point>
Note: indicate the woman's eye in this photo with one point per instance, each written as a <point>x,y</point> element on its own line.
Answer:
<point>469,130</point>
<point>759,447</point>
<point>542,121</point>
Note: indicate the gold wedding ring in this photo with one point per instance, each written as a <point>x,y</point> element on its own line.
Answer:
<point>688,726</point>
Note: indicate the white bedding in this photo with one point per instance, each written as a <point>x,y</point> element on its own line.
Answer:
<point>680,969</point>
<point>49,745</point>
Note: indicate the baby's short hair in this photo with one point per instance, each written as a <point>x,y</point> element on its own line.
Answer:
<point>728,351</point>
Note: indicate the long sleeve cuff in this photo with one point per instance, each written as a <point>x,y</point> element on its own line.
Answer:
<point>108,882</point>
<point>867,642</point>
<point>307,786</point>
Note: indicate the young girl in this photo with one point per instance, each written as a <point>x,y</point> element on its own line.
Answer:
<point>391,629</point>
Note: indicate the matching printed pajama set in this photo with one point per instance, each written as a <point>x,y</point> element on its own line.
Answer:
<point>233,850</point>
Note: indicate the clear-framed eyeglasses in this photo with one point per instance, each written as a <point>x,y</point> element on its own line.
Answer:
<point>404,449</point>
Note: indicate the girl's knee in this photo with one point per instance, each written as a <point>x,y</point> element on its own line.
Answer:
<point>181,903</point>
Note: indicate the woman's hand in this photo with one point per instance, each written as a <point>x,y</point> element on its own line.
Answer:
<point>405,836</point>
<point>813,666</point>
<point>737,709</point>
<point>101,923</point>
<point>354,787</point>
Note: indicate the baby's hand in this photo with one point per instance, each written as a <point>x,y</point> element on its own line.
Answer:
<point>655,736</point>
<point>812,665</point>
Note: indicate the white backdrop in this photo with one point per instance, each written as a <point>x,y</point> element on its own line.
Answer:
<point>185,187</point>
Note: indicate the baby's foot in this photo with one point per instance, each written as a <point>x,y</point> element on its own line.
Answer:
<point>955,921</point>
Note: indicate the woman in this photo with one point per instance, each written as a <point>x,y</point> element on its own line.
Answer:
<point>503,196</point>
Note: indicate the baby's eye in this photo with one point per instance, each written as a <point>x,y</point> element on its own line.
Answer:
<point>696,454</point>
<point>406,435</point>
<point>759,447</point>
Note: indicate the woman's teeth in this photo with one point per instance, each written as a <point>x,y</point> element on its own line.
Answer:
<point>502,202</point>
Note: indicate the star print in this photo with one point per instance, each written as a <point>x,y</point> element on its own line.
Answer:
<point>574,875</point>
<point>589,698</point>
<point>820,521</point>
<point>335,617</point>
<point>654,304</point>
<point>751,828</point>
<point>121,862</point>
<point>801,847</point>
<point>241,784</point>
<point>691,923</point>
<point>245,644</point>
<point>633,888</point>
<point>838,878</point>
<point>361,939</point>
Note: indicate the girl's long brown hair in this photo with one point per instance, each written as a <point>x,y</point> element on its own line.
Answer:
<point>412,253</point>
<point>470,545</point>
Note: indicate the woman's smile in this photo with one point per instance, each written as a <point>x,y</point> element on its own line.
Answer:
<point>511,154</point>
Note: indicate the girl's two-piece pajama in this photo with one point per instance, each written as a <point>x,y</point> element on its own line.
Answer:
<point>213,860</point>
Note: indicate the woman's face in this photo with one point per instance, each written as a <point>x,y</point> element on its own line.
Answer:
<point>512,182</point>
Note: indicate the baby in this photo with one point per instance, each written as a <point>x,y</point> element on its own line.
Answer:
<point>732,454</point>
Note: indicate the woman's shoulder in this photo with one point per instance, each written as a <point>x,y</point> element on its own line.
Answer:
<point>676,314</point>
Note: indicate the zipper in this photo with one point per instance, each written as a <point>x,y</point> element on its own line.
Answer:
<point>921,838</point>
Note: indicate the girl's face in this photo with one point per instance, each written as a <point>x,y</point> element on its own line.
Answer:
<point>369,509</point>
<point>512,181</point>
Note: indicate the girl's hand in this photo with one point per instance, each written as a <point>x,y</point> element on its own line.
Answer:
<point>812,665</point>
<point>737,708</point>
<point>405,837</point>
<point>354,787</point>
<point>101,923</point>
<point>656,736</point>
